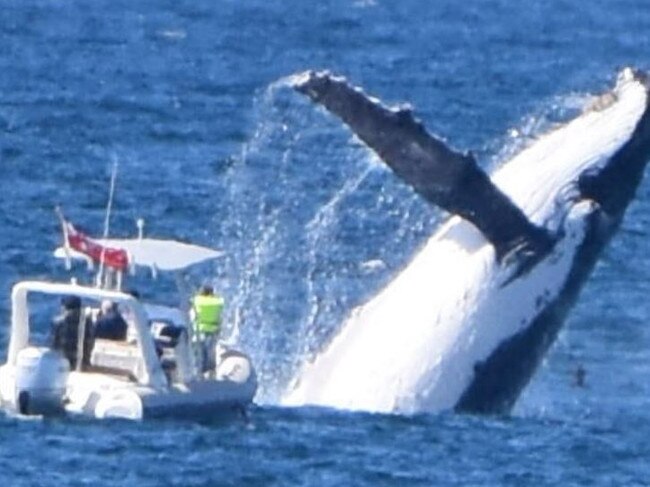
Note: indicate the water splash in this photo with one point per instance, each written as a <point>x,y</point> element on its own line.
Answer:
<point>318,229</point>
<point>304,207</point>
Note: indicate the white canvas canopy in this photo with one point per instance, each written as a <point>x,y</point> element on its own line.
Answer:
<point>163,255</point>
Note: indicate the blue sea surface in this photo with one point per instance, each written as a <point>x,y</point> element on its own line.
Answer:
<point>189,100</point>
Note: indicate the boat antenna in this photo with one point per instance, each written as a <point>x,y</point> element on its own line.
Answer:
<point>107,218</point>
<point>111,193</point>
<point>140,224</point>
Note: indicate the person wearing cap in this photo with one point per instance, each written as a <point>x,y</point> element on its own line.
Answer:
<point>66,328</point>
<point>206,311</point>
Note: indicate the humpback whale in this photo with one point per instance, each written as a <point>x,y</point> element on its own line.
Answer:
<point>464,325</point>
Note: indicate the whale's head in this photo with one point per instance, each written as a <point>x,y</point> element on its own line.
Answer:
<point>613,184</point>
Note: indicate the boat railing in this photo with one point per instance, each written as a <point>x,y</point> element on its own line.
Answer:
<point>150,373</point>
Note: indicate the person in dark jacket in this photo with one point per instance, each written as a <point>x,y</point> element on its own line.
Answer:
<point>110,324</point>
<point>65,332</point>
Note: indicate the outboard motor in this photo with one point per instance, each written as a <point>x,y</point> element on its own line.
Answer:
<point>41,378</point>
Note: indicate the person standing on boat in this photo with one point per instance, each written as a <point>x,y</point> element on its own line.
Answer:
<point>206,311</point>
<point>72,330</point>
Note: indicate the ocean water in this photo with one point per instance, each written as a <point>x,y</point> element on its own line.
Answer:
<point>189,100</point>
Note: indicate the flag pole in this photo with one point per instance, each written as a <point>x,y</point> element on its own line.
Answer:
<point>107,220</point>
<point>66,241</point>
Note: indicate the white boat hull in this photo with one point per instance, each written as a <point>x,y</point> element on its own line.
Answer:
<point>101,395</point>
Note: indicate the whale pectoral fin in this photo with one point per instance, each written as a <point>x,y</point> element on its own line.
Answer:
<point>448,179</point>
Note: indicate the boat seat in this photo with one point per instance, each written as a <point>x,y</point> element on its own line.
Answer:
<point>116,357</point>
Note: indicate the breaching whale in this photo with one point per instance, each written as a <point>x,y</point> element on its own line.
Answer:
<point>465,323</point>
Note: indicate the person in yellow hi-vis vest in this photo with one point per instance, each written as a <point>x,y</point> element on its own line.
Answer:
<point>207,308</point>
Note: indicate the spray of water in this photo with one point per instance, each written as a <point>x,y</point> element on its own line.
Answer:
<point>312,225</point>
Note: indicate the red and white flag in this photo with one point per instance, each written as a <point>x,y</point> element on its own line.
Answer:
<point>111,257</point>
